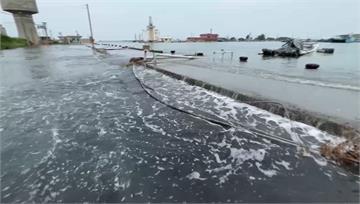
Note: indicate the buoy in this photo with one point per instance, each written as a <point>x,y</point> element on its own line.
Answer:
<point>243,59</point>
<point>172,52</point>
<point>326,50</point>
<point>312,66</point>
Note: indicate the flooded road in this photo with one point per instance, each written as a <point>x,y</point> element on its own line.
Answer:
<point>77,127</point>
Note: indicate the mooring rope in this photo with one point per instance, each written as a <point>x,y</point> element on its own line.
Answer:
<point>145,88</point>
<point>225,125</point>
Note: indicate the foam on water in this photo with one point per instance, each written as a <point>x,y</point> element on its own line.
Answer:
<point>201,101</point>
<point>230,110</point>
<point>195,175</point>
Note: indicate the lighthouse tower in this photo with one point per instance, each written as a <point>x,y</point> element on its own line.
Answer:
<point>151,31</point>
<point>22,11</point>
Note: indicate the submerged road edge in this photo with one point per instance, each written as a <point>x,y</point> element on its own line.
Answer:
<point>322,122</point>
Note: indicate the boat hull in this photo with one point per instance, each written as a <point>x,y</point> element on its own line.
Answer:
<point>293,48</point>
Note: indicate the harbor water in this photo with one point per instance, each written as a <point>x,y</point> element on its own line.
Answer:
<point>77,126</point>
<point>339,70</point>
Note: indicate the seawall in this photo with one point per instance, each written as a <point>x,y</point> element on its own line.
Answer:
<point>320,121</point>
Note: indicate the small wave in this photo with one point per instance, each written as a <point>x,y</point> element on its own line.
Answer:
<point>55,141</point>
<point>270,75</point>
<point>310,82</point>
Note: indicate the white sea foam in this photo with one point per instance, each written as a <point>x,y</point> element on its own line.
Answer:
<point>285,164</point>
<point>236,110</point>
<point>154,127</point>
<point>55,141</point>
<point>268,173</point>
<point>195,175</point>
<point>241,155</point>
<point>102,132</point>
<point>247,117</point>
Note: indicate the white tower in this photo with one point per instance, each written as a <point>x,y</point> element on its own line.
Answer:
<point>22,11</point>
<point>151,31</point>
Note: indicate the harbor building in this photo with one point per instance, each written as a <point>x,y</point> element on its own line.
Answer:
<point>3,30</point>
<point>153,34</point>
<point>166,39</point>
<point>71,39</point>
<point>206,37</point>
<point>22,11</point>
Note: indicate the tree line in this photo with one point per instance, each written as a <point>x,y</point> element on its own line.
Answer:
<point>248,37</point>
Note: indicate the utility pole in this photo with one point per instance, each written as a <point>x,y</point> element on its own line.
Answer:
<point>51,34</point>
<point>45,28</point>
<point>90,26</point>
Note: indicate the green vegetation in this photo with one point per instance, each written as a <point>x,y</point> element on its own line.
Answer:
<point>260,37</point>
<point>11,43</point>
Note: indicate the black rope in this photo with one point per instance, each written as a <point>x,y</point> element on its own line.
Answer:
<point>216,122</point>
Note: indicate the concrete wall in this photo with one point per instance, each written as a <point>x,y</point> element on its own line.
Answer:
<point>22,11</point>
<point>3,30</point>
<point>28,6</point>
<point>26,28</point>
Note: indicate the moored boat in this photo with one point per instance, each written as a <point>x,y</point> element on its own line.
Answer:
<point>292,48</point>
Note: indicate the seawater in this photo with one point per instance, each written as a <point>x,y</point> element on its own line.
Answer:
<point>339,70</point>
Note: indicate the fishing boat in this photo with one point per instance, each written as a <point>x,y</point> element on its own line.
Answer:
<point>292,48</point>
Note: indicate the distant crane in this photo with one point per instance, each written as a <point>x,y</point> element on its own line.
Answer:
<point>43,27</point>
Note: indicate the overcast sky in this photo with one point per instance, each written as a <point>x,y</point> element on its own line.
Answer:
<point>121,19</point>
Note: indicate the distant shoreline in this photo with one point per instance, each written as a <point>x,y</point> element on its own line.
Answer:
<point>184,41</point>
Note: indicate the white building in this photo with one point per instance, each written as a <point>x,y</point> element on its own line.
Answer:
<point>151,31</point>
<point>166,39</point>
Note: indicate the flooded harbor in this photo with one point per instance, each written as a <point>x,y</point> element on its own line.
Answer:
<point>76,126</point>
<point>338,70</point>
<point>283,80</point>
